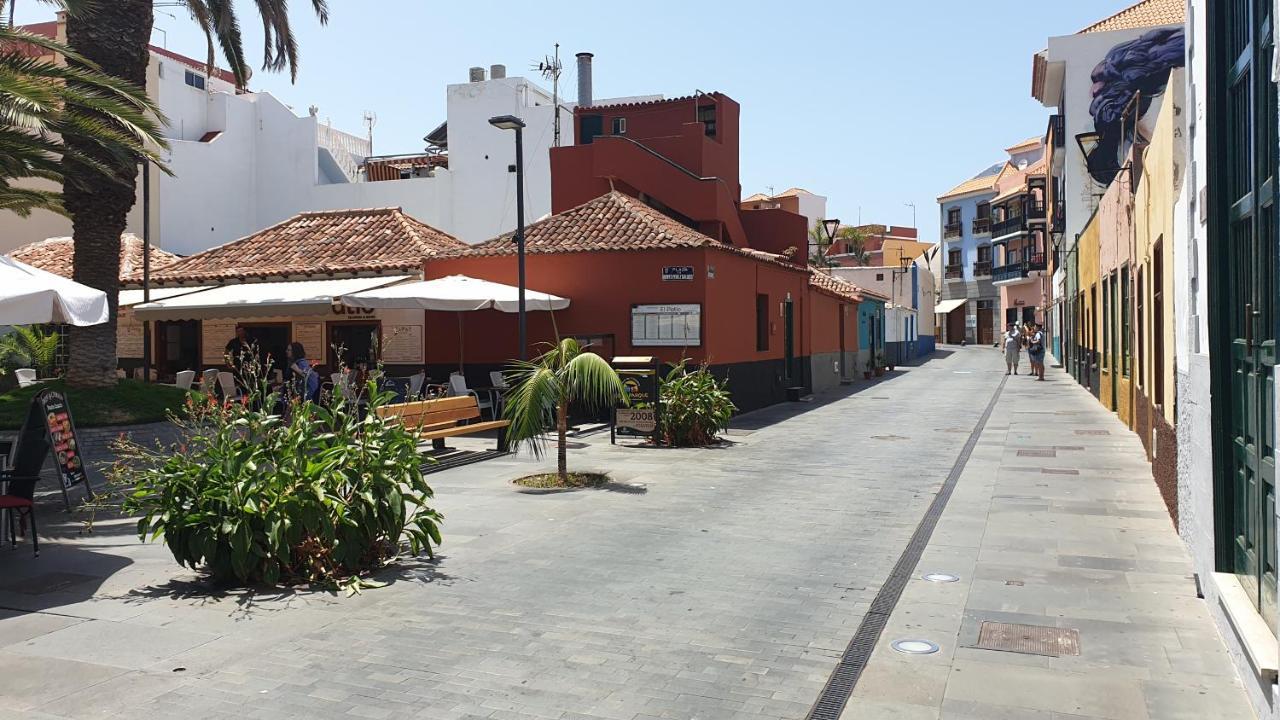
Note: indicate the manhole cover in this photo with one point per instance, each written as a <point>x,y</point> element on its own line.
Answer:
<point>48,582</point>
<point>1037,453</point>
<point>1093,432</point>
<point>940,577</point>
<point>1029,639</point>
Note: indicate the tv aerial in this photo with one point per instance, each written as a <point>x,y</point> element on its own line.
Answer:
<point>550,68</point>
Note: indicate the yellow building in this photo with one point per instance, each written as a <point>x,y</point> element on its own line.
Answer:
<point>1089,316</point>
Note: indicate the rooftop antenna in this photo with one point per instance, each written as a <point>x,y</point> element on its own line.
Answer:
<point>370,120</point>
<point>550,68</point>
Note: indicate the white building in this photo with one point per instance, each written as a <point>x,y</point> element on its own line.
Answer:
<point>242,162</point>
<point>909,317</point>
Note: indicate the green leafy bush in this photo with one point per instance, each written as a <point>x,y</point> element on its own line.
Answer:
<point>695,406</point>
<point>312,494</point>
<point>30,346</point>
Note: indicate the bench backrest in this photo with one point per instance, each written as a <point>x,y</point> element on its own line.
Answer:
<point>432,412</point>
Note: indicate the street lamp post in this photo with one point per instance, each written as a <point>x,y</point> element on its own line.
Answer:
<point>511,122</point>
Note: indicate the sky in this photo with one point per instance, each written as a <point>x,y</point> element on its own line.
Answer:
<point>875,105</point>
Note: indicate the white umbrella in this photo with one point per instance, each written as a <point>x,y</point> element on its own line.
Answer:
<point>31,296</point>
<point>456,293</point>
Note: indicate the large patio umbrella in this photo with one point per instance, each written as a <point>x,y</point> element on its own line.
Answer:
<point>455,293</point>
<point>30,296</point>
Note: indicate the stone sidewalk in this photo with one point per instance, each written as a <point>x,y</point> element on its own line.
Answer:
<point>1055,522</point>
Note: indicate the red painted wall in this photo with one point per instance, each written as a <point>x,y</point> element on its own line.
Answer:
<point>775,230</point>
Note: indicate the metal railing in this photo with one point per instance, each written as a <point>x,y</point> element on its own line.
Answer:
<point>981,226</point>
<point>1020,269</point>
<point>1009,226</point>
<point>1035,210</point>
<point>952,230</point>
<point>954,272</point>
<point>982,268</point>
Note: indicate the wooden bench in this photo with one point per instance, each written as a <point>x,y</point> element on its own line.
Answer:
<point>442,418</point>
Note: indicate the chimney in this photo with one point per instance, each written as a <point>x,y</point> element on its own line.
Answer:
<point>477,74</point>
<point>497,72</point>
<point>584,79</point>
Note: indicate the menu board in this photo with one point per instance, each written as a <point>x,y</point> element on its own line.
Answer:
<point>311,336</point>
<point>128,335</point>
<point>401,344</point>
<point>62,437</point>
<point>214,337</point>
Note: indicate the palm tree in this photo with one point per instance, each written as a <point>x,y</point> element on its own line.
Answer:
<point>116,35</point>
<point>819,244</point>
<point>30,346</point>
<point>855,242</point>
<point>39,105</point>
<point>564,375</point>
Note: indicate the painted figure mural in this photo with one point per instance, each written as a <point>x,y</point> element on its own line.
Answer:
<point>1137,68</point>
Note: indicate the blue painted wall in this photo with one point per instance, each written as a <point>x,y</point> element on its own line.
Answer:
<point>867,310</point>
<point>967,243</point>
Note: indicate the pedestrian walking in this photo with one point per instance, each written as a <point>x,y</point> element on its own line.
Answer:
<point>1012,349</point>
<point>1035,351</point>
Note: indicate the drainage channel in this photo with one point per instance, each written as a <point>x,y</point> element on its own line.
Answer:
<point>854,660</point>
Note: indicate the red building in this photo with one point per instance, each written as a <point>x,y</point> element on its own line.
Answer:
<point>649,243</point>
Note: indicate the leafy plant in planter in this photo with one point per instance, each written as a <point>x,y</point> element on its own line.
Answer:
<point>315,493</point>
<point>879,363</point>
<point>695,406</point>
<point>545,387</point>
<point>869,369</point>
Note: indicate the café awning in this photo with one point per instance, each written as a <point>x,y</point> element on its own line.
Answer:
<point>947,306</point>
<point>129,298</point>
<point>455,293</point>
<point>265,299</point>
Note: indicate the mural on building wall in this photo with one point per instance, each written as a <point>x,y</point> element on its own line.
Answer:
<point>1136,68</point>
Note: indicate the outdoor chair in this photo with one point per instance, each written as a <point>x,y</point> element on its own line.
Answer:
<point>227,382</point>
<point>398,387</point>
<point>458,386</point>
<point>415,385</point>
<point>26,377</point>
<point>18,481</point>
<point>184,379</point>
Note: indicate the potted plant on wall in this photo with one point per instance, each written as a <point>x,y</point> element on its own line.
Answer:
<point>879,363</point>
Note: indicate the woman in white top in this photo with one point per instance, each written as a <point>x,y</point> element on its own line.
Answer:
<point>1012,349</point>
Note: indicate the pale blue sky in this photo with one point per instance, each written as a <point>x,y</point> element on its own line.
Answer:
<point>872,104</point>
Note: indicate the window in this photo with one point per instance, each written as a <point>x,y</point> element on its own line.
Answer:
<point>1141,308</point>
<point>707,116</point>
<point>590,127</point>
<point>984,253</point>
<point>195,80</point>
<point>953,216</point>
<point>1157,323</point>
<point>762,322</point>
<point>1106,321</point>
<point>619,126</point>
<point>879,277</point>
<point>1125,322</point>
<point>984,211</point>
<point>953,257</point>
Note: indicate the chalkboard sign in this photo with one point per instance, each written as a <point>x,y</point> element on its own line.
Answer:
<point>63,442</point>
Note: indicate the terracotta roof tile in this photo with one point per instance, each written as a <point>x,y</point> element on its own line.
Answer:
<point>612,222</point>
<point>56,255</point>
<point>834,286</point>
<point>335,242</point>
<point>978,184</point>
<point>1148,13</point>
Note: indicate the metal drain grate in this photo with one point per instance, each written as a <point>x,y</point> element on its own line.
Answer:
<point>1093,432</point>
<point>1038,453</point>
<point>1029,639</point>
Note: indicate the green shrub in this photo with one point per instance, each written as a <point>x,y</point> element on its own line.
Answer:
<point>695,406</point>
<point>314,494</point>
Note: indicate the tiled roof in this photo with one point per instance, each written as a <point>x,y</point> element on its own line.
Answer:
<point>388,168</point>
<point>56,255</point>
<point>1028,143</point>
<point>1148,13</point>
<point>335,242</point>
<point>612,222</point>
<point>980,183</point>
<point>834,286</point>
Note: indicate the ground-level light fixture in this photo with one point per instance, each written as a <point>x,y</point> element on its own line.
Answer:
<point>914,647</point>
<point>939,577</point>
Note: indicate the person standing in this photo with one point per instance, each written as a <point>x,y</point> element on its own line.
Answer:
<point>303,378</point>
<point>1035,351</point>
<point>1012,349</point>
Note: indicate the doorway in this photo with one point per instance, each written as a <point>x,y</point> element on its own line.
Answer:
<point>351,343</point>
<point>788,338</point>
<point>986,311</point>
<point>177,347</point>
<point>270,339</point>
<point>1242,293</point>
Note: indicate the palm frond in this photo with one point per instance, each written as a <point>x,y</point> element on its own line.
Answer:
<point>593,382</point>
<point>535,391</point>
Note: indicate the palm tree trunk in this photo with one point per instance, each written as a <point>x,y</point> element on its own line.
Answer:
<point>118,40</point>
<point>562,428</point>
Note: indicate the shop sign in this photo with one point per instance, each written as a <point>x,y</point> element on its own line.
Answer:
<point>632,421</point>
<point>62,437</point>
<point>639,418</point>
<point>677,273</point>
<point>340,309</point>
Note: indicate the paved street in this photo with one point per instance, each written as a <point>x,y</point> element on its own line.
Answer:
<point>704,583</point>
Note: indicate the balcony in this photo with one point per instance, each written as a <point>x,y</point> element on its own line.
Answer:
<point>954,272</point>
<point>1059,222</point>
<point>982,268</point>
<point>1058,126</point>
<point>952,230</point>
<point>1010,226</point>
<point>982,226</point>
<point>1035,210</point>
<point>1014,272</point>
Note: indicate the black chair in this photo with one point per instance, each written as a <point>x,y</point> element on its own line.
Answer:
<point>17,501</point>
<point>398,386</point>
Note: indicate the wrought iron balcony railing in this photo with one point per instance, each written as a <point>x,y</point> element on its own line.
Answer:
<point>981,226</point>
<point>954,272</point>
<point>1008,226</point>
<point>952,230</point>
<point>982,268</point>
